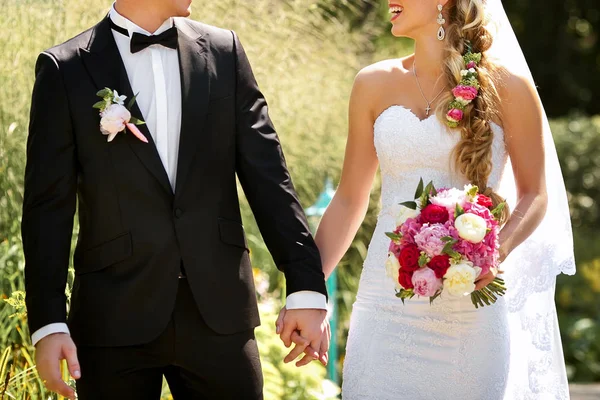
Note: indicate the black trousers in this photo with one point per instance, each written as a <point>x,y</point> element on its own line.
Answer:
<point>197,363</point>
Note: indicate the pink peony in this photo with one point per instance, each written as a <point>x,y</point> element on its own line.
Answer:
<point>425,282</point>
<point>465,94</point>
<point>429,239</point>
<point>471,64</point>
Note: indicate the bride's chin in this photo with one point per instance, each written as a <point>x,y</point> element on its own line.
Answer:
<point>397,32</point>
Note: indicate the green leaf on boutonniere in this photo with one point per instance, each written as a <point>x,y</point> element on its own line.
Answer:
<point>136,121</point>
<point>423,260</point>
<point>409,204</point>
<point>106,92</point>
<point>497,212</point>
<point>100,105</point>
<point>459,211</point>
<point>394,236</point>
<point>132,102</point>
<point>419,191</point>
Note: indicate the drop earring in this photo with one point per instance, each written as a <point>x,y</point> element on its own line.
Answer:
<point>441,34</point>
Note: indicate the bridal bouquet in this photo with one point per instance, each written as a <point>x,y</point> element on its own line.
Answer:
<point>443,242</point>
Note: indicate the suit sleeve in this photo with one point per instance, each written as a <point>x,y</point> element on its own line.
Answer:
<point>263,174</point>
<point>50,197</point>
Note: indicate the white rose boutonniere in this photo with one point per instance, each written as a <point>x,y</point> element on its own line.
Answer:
<point>115,117</point>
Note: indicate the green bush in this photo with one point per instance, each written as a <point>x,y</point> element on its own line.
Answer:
<point>578,297</point>
<point>578,145</point>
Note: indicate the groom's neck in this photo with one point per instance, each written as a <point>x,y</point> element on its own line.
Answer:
<point>148,15</point>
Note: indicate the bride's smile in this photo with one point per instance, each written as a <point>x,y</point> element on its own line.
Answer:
<point>395,10</point>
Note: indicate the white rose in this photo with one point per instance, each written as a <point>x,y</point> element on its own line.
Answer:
<point>406,213</point>
<point>392,269</point>
<point>460,279</point>
<point>113,120</point>
<point>471,227</point>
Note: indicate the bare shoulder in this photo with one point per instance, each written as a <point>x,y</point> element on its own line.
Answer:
<point>376,79</point>
<point>520,108</point>
<point>380,73</point>
<point>515,89</point>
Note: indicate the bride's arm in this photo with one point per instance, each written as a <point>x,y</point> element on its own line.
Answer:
<point>347,210</point>
<point>522,117</point>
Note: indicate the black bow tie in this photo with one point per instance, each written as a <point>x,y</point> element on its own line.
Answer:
<point>140,41</point>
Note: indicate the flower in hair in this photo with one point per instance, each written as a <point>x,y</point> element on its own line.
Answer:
<point>466,91</point>
<point>465,94</point>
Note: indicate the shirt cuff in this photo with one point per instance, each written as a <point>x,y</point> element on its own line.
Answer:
<point>306,299</point>
<point>50,329</point>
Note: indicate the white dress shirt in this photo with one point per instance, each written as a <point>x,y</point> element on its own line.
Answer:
<point>154,76</point>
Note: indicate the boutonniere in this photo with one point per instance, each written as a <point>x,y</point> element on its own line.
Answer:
<point>115,117</point>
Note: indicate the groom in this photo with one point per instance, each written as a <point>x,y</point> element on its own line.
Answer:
<point>163,282</point>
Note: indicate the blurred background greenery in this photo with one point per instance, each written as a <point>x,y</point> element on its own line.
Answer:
<point>305,54</point>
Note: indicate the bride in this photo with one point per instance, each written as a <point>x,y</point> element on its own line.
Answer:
<point>399,123</point>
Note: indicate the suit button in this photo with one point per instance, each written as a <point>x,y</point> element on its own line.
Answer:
<point>178,212</point>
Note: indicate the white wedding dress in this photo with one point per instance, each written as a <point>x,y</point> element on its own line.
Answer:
<point>448,350</point>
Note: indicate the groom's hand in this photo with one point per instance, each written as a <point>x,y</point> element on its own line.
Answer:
<point>50,351</point>
<point>308,329</point>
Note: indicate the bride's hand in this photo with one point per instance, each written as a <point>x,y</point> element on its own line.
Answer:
<point>488,278</point>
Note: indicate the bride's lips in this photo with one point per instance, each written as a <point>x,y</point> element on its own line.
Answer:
<point>395,10</point>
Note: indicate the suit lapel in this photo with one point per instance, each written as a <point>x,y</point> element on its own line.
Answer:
<point>105,65</point>
<point>195,95</point>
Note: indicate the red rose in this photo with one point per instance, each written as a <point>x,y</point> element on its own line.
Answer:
<point>434,214</point>
<point>440,265</point>
<point>485,201</point>
<point>409,258</point>
<point>405,279</point>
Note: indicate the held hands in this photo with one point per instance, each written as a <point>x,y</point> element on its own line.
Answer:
<point>50,351</point>
<point>309,330</point>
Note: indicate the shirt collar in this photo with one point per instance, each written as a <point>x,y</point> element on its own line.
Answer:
<point>124,23</point>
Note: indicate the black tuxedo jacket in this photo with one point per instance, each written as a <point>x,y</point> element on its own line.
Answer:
<point>134,231</point>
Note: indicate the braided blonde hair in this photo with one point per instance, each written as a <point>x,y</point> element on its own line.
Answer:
<point>467,22</point>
